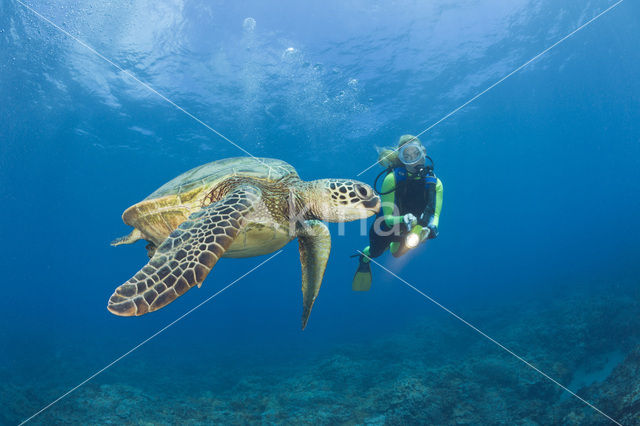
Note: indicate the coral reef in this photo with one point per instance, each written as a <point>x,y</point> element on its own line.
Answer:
<point>618,395</point>
<point>436,372</point>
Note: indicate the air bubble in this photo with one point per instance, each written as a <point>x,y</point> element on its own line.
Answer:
<point>249,24</point>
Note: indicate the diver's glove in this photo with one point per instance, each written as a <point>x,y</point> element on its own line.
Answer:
<point>409,220</point>
<point>424,235</point>
<point>433,230</point>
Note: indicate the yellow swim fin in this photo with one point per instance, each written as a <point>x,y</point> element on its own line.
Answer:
<point>362,278</point>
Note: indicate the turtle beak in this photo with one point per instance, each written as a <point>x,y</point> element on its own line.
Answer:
<point>372,204</point>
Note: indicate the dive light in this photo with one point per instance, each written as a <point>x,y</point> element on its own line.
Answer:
<point>412,239</point>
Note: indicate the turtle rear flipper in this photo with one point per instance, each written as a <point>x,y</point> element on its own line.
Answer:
<point>314,240</point>
<point>186,257</point>
<point>130,238</point>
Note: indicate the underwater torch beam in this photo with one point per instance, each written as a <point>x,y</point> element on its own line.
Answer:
<point>412,239</point>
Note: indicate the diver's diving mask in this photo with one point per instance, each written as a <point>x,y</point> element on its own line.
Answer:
<point>412,155</point>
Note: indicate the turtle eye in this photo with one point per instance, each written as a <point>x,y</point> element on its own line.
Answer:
<point>363,191</point>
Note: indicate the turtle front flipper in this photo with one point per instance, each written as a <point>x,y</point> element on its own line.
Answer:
<point>185,258</point>
<point>314,240</point>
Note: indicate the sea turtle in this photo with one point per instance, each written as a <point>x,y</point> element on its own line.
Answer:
<point>235,207</point>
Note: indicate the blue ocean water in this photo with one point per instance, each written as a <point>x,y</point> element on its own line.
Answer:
<point>538,233</point>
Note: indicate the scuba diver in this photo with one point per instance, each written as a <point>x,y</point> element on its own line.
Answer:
<point>411,202</point>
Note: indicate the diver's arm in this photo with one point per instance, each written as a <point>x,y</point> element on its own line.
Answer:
<point>388,200</point>
<point>432,225</point>
<point>436,214</point>
<point>430,218</point>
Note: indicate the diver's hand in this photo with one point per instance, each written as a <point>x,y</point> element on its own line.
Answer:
<point>430,226</point>
<point>433,231</point>
<point>424,235</point>
<point>410,220</point>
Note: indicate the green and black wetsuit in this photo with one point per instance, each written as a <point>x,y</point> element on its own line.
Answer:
<point>404,193</point>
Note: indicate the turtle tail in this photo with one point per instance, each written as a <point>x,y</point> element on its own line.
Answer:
<point>130,238</point>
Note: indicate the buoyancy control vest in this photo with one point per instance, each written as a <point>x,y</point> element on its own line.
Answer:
<point>416,196</point>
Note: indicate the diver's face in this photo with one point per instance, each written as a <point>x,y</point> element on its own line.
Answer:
<point>412,155</point>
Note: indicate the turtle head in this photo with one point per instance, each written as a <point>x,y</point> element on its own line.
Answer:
<point>341,200</point>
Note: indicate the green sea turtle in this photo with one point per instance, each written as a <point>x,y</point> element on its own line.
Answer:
<point>236,207</point>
